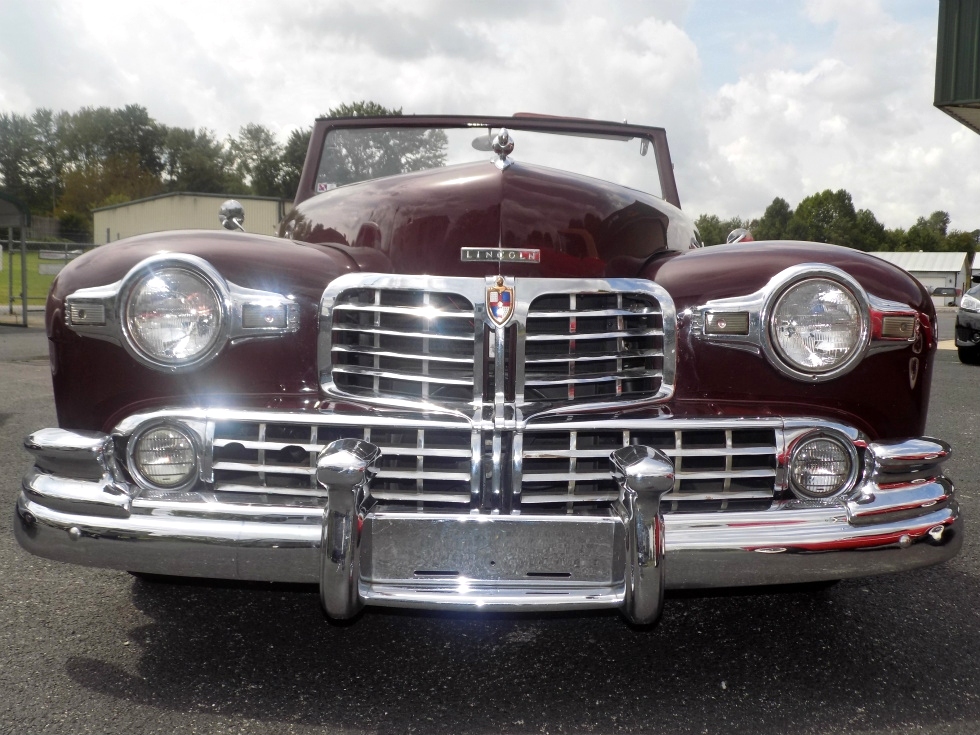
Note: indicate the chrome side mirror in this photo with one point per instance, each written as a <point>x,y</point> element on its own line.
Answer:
<point>739,235</point>
<point>232,215</point>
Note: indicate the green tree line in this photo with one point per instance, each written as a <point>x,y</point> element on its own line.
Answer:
<point>65,164</point>
<point>830,216</point>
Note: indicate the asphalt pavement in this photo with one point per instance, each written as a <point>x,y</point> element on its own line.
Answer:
<point>93,651</point>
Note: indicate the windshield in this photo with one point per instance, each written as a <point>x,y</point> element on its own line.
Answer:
<point>359,154</point>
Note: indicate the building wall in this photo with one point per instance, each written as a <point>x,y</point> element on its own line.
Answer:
<point>182,212</point>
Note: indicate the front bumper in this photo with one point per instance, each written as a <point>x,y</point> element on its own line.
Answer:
<point>76,507</point>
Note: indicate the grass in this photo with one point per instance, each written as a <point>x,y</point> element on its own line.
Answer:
<point>37,284</point>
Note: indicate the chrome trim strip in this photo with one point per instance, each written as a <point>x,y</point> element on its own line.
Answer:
<point>779,546</point>
<point>232,298</point>
<point>759,304</point>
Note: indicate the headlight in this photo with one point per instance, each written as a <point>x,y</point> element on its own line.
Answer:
<point>818,327</point>
<point>822,466</point>
<point>970,303</point>
<point>164,457</point>
<point>173,316</point>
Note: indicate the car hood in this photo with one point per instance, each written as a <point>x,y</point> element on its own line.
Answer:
<point>420,222</point>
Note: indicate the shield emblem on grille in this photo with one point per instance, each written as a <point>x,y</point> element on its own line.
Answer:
<point>500,302</point>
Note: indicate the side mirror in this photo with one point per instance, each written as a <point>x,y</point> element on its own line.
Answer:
<point>739,235</point>
<point>232,215</point>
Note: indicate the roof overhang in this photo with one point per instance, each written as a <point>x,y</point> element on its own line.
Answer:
<point>957,70</point>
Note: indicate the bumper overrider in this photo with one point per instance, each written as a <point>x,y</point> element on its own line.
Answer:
<point>78,505</point>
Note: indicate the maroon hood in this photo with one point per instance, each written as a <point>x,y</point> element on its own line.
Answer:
<point>420,221</point>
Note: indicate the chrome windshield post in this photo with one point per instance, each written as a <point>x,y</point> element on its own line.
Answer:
<point>345,468</point>
<point>644,475</point>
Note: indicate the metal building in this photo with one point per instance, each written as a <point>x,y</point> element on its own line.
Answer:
<point>958,61</point>
<point>181,211</point>
<point>947,271</point>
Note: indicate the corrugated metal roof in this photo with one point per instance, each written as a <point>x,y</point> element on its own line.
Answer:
<point>957,72</point>
<point>926,262</point>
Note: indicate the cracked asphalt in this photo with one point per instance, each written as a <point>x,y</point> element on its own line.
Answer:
<point>91,651</point>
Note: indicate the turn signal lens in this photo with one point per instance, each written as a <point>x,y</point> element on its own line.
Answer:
<point>173,316</point>
<point>165,457</point>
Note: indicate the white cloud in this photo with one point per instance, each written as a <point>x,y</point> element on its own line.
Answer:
<point>757,102</point>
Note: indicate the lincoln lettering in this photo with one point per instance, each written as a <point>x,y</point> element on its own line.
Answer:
<point>500,255</point>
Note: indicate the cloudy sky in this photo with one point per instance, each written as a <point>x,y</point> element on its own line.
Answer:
<point>759,98</point>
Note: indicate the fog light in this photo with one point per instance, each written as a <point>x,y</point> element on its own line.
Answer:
<point>822,467</point>
<point>165,457</point>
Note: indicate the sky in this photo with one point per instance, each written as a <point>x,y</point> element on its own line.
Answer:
<point>759,99</point>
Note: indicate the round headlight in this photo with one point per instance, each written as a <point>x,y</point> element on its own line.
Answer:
<point>817,326</point>
<point>173,316</point>
<point>822,467</point>
<point>165,457</point>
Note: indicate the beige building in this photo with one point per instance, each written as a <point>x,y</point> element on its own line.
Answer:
<point>181,211</point>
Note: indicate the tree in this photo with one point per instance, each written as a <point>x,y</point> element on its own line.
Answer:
<point>773,223</point>
<point>100,183</point>
<point>715,231</point>
<point>958,241</point>
<point>19,157</point>
<point>293,158</point>
<point>928,235</point>
<point>357,155</point>
<point>825,217</point>
<point>258,159</point>
<point>869,233</point>
<point>197,161</point>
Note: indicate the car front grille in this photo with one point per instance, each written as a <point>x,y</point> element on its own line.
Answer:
<point>435,370</point>
<point>550,470</point>
<point>593,347</point>
<point>419,342</point>
<point>715,468</point>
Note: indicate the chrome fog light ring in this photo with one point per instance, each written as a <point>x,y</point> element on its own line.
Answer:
<point>822,465</point>
<point>164,456</point>
<point>816,323</point>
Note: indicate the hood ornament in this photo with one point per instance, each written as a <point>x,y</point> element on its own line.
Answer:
<point>503,146</point>
<point>500,301</point>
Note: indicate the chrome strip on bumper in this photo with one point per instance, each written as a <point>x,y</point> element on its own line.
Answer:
<point>899,517</point>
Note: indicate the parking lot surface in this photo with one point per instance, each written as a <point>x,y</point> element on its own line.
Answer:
<point>92,651</point>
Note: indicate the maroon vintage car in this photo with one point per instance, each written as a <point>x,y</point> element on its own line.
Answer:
<point>473,373</point>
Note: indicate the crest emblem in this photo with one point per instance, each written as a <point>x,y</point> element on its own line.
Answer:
<point>913,371</point>
<point>500,302</point>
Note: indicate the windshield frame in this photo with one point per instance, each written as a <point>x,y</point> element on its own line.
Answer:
<point>531,122</point>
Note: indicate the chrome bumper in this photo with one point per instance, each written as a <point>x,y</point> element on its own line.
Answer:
<point>75,507</point>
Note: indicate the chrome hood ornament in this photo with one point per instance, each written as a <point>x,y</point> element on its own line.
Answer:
<point>232,216</point>
<point>503,146</point>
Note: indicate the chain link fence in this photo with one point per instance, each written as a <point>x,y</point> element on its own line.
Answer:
<point>27,269</point>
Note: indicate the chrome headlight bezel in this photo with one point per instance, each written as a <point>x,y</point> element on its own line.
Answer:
<point>832,437</point>
<point>245,313</point>
<point>141,477</point>
<point>851,288</point>
<point>196,268</point>
<point>745,322</point>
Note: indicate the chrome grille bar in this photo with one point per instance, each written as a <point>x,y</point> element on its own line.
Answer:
<point>430,341</point>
